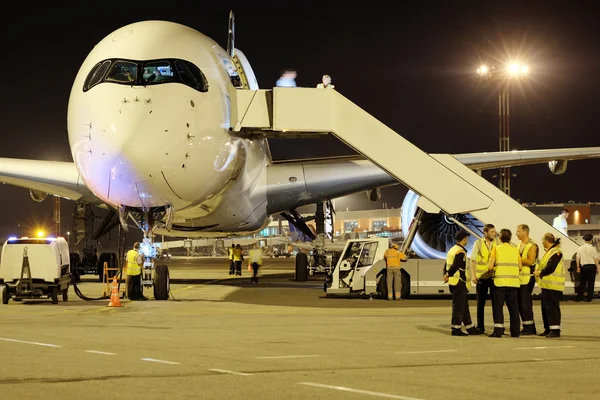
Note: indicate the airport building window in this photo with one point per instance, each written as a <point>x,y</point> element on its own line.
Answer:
<point>350,226</point>
<point>146,73</point>
<point>378,224</point>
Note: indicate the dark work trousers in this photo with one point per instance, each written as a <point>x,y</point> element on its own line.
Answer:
<point>238,267</point>
<point>508,294</point>
<point>526,307</point>
<point>483,287</point>
<point>255,268</point>
<point>551,309</point>
<point>587,279</point>
<point>134,287</point>
<point>231,267</point>
<point>460,306</point>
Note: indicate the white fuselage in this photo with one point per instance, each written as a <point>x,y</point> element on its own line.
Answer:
<point>153,145</point>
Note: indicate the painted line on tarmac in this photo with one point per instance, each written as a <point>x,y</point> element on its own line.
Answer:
<point>367,392</point>
<point>278,357</point>
<point>185,288</point>
<point>544,347</point>
<point>160,361</point>
<point>104,353</point>
<point>425,351</point>
<point>226,371</point>
<point>26,342</point>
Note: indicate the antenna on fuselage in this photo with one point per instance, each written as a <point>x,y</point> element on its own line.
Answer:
<point>231,35</point>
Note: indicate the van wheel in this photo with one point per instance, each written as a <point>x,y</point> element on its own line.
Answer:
<point>65,295</point>
<point>54,292</point>
<point>162,282</point>
<point>5,296</point>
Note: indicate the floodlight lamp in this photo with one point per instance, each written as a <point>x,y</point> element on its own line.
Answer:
<point>513,69</point>
<point>40,234</point>
<point>482,70</point>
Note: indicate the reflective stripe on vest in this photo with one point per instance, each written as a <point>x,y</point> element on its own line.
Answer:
<point>506,271</point>
<point>132,266</point>
<point>453,280</point>
<point>556,280</point>
<point>392,258</point>
<point>525,275</point>
<point>483,258</point>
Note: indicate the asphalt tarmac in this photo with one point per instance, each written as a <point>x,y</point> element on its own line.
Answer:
<point>221,337</point>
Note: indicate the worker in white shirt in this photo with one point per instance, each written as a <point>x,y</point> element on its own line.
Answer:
<point>325,83</point>
<point>255,260</point>
<point>587,268</point>
<point>560,222</point>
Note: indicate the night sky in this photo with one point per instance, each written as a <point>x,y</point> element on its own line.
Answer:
<point>413,69</point>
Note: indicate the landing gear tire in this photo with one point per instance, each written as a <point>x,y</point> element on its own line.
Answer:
<point>405,278</point>
<point>301,267</point>
<point>382,285</point>
<point>5,295</point>
<point>54,292</point>
<point>162,282</point>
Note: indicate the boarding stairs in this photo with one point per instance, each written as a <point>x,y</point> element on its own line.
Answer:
<point>443,182</point>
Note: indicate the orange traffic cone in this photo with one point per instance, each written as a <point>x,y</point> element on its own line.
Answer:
<point>115,301</point>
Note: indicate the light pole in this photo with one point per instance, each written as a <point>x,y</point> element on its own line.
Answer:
<point>503,77</point>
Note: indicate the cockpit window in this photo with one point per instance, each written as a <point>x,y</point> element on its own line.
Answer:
<point>96,75</point>
<point>146,73</point>
<point>123,72</point>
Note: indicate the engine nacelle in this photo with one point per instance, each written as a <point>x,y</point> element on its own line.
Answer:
<point>37,196</point>
<point>374,195</point>
<point>558,167</point>
<point>435,234</point>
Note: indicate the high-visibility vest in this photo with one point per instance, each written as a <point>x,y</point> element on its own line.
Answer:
<point>231,253</point>
<point>237,254</point>
<point>525,274</point>
<point>392,257</point>
<point>133,267</point>
<point>506,270</point>
<point>483,258</point>
<point>454,279</point>
<point>556,280</point>
<point>255,256</point>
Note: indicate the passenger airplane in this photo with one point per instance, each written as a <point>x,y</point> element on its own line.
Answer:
<point>149,131</point>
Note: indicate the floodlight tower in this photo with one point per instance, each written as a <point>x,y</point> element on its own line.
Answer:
<point>503,77</point>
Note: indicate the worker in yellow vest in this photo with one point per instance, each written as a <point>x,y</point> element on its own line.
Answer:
<point>231,262</point>
<point>505,266</point>
<point>238,257</point>
<point>135,262</point>
<point>550,275</point>
<point>457,277</point>
<point>393,257</point>
<point>480,260</point>
<point>529,255</point>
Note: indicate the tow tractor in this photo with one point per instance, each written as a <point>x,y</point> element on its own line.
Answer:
<point>361,270</point>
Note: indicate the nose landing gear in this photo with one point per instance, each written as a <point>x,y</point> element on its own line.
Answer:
<point>153,276</point>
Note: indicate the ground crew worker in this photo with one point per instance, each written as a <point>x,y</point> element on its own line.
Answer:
<point>238,257</point>
<point>135,261</point>
<point>231,262</point>
<point>529,256</point>
<point>505,265</point>
<point>393,257</point>
<point>550,275</point>
<point>480,260</point>
<point>255,256</point>
<point>457,276</point>
<point>587,268</point>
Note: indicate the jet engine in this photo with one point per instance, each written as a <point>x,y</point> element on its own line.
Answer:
<point>558,167</point>
<point>37,196</point>
<point>374,194</point>
<point>435,235</point>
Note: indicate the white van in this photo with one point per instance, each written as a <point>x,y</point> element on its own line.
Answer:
<point>49,266</point>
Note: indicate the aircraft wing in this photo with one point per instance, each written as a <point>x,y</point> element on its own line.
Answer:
<point>295,183</point>
<point>481,161</point>
<point>52,177</point>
